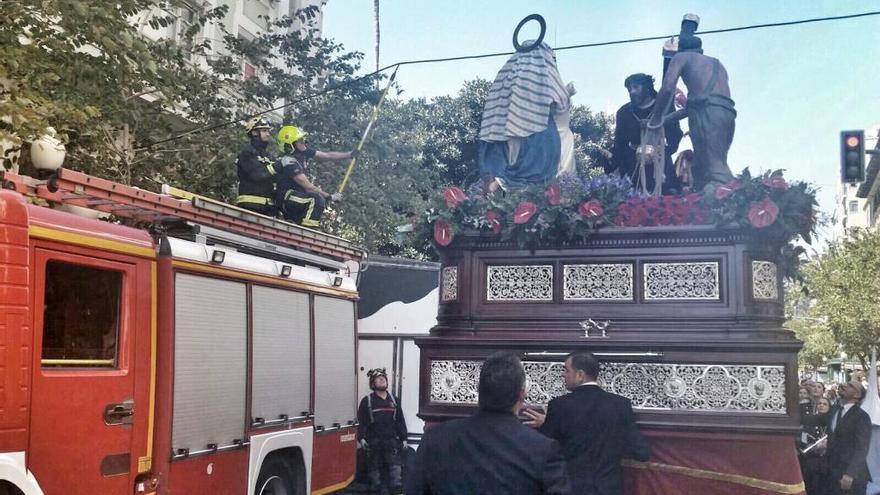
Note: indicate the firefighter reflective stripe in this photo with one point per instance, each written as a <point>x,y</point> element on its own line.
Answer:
<point>268,163</point>
<point>307,220</point>
<point>370,407</point>
<point>250,198</point>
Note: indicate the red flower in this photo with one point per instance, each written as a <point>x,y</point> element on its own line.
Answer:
<point>636,216</point>
<point>454,196</point>
<point>809,219</point>
<point>494,221</point>
<point>443,232</point>
<point>776,182</point>
<point>700,217</point>
<point>763,213</point>
<point>524,212</point>
<point>591,209</point>
<point>726,190</point>
<point>554,194</point>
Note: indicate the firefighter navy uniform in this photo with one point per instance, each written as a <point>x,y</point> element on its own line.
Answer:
<point>296,204</point>
<point>256,179</point>
<point>383,430</point>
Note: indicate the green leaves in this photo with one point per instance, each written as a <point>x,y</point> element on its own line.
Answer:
<point>846,289</point>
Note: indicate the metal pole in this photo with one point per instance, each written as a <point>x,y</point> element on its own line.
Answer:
<point>373,118</point>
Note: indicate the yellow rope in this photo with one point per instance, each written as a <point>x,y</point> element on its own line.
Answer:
<point>770,486</point>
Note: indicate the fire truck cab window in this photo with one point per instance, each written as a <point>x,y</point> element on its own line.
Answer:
<point>80,316</point>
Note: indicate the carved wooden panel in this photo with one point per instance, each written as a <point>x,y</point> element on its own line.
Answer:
<point>598,282</point>
<point>764,282</point>
<point>697,281</point>
<point>449,284</point>
<point>519,283</point>
<point>650,386</point>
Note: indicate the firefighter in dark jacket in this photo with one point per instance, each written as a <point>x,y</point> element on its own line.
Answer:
<point>256,170</point>
<point>382,433</point>
<point>298,199</point>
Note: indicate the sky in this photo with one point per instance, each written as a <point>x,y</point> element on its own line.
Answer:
<point>795,87</point>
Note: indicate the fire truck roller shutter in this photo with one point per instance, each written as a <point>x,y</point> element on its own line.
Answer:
<point>281,353</point>
<point>210,359</point>
<point>335,381</point>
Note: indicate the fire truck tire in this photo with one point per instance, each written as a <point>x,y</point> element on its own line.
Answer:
<point>8,489</point>
<point>278,478</point>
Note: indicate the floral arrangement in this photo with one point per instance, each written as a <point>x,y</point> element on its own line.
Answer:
<point>573,208</point>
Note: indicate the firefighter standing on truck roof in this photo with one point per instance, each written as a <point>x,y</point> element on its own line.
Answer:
<point>298,199</point>
<point>256,170</point>
<point>382,433</point>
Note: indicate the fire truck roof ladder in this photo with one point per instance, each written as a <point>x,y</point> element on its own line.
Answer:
<point>175,206</point>
<point>209,235</point>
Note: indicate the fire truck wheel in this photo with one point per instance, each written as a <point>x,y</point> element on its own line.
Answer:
<point>7,489</point>
<point>276,478</point>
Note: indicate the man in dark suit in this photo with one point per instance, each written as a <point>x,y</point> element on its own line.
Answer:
<point>849,435</point>
<point>596,429</point>
<point>491,452</point>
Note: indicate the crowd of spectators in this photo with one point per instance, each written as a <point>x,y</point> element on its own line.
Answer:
<point>833,443</point>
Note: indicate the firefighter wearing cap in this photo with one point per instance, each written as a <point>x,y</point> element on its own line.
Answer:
<point>382,433</point>
<point>256,170</point>
<point>298,199</point>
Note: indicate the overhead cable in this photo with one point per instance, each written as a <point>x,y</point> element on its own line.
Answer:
<point>498,54</point>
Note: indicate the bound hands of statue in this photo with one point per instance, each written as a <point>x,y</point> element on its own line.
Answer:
<point>654,136</point>
<point>535,418</point>
<point>846,482</point>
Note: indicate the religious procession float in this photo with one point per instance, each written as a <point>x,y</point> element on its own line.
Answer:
<point>679,295</point>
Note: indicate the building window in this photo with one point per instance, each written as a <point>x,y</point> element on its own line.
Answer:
<point>80,315</point>
<point>186,17</point>
<point>853,206</point>
<point>249,71</point>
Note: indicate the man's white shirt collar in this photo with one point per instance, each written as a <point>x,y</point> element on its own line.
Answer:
<point>589,383</point>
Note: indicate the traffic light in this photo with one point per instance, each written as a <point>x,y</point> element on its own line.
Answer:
<point>852,156</point>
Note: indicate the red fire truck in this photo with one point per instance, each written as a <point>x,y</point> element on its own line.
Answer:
<point>183,347</point>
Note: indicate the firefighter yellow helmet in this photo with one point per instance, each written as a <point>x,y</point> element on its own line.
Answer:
<point>289,134</point>
<point>257,123</point>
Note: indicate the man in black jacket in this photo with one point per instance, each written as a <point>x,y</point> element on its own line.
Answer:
<point>490,452</point>
<point>595,428</point>
<point>382,433</point>
<point>256,170</point>
<point>628,135</point>
<point>849,436</point>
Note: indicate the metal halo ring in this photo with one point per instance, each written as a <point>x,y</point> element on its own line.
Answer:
<point>528,48</point>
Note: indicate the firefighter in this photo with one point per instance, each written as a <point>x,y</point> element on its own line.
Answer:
<point>382,433</point>
<point>298,199</point>
<point>256,170</point>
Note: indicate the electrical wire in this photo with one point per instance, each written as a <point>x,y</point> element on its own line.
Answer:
<point>500,54</point>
